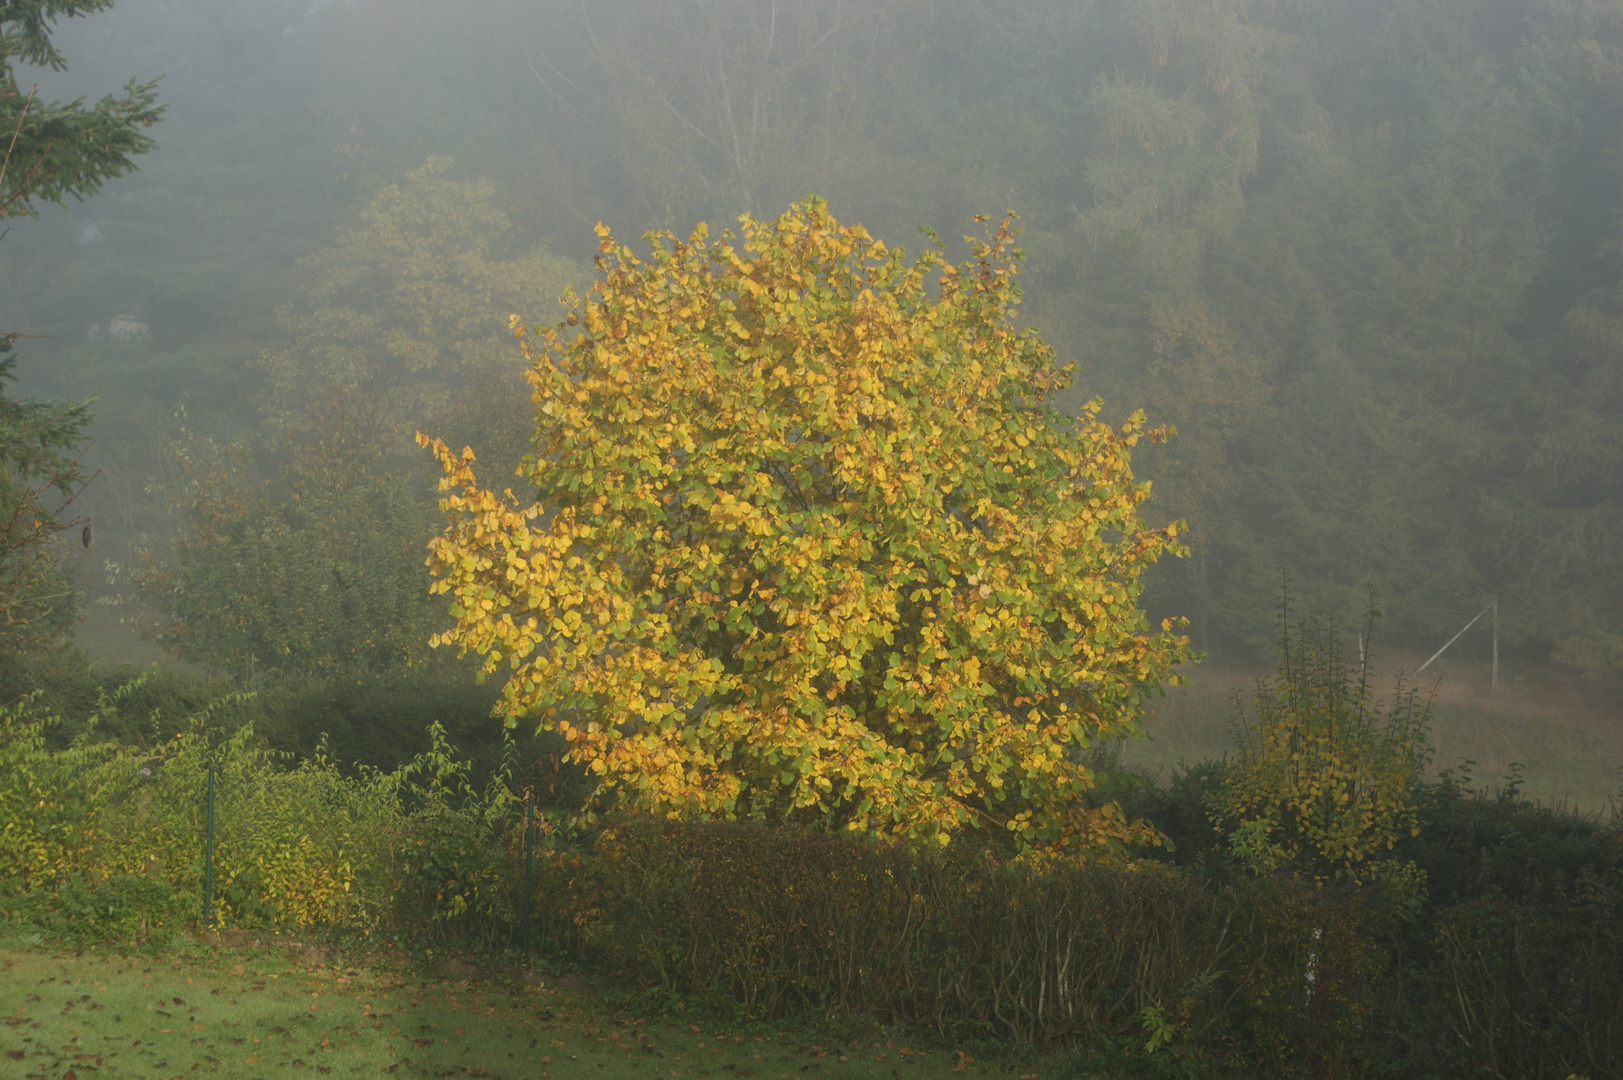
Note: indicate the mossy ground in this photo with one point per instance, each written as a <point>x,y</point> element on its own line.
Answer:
<point>74,1014</point>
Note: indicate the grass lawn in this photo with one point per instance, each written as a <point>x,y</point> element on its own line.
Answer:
<point>71,1014</point>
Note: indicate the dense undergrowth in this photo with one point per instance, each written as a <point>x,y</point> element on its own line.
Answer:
<point>1487,939</point>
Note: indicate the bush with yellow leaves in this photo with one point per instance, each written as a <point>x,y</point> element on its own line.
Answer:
<point>1327,777</point>
<point>106,840</point>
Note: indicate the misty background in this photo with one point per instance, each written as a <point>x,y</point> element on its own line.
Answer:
<point>1364,255</point>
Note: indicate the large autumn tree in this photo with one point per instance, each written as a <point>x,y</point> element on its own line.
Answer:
<point>809,542</point>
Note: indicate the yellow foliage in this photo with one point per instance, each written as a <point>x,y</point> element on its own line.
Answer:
<point>1325,780</point>
<point>43,835</point>
<point>810,542</point>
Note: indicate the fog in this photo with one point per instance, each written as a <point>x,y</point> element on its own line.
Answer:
<point>1363,254</point>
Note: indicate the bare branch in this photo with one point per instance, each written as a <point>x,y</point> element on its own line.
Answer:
<point>685,122</point>
<point>5,166</point>
<point>565,102</point>
<point>12,145</point>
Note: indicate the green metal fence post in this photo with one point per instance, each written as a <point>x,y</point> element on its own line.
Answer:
<point>529,863</point>
<point>208,853</point>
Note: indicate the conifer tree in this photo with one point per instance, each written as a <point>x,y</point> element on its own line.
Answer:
<point>53,150</point>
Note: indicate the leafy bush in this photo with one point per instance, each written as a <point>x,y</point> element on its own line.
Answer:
<point>41,833</point>
<point>780,919</point>
<point>1326,779</point>
<point>1476,841</point>
<point>1139,956</point>
<point>1524,929</point>
<point>382,723</point>
<point>1313,958</point>
<point>1536,990</point>
<point>1513,964</point>
<point>401,852</point>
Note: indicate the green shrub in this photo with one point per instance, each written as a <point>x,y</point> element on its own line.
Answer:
<point>1528,946</point>
<point>1536,992</point>
<point>1476,842</point>
<point>781,920</point>
<point>50,800</point>
<point>107,828</point>
<point>778,920</point>
<point>382,723</point>
<point>1513,964</point>
<point>1313,957</point>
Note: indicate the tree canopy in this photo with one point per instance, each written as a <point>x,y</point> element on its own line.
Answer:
<point>1362,253</point>
<point>809,540</point>
<point>408,304</point>
<point>318,571</point>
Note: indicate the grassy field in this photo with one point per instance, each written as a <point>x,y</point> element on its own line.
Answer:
<point>271,1012</point>
<point>1566,735</point>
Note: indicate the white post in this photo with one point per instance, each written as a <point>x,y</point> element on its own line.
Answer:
<point>1495,685</point>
